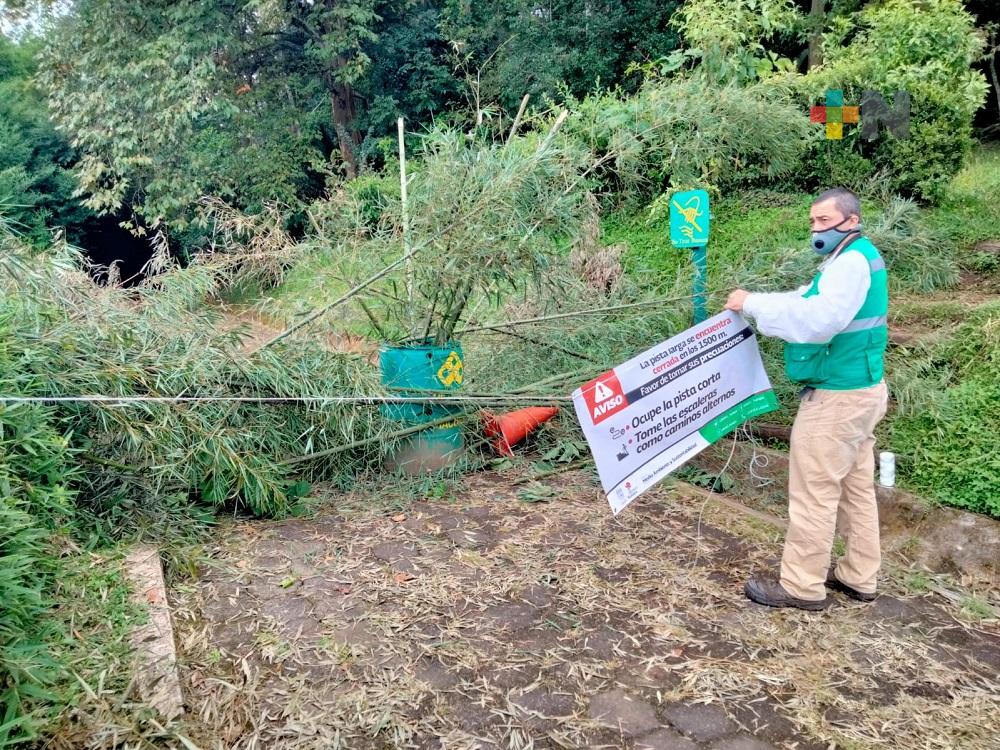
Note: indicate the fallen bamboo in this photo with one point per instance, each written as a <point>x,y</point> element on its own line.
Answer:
<point>408,255</point>
<point>517,118</point>
<point>406,218</point>
<point>572,314</point>
<point>367,441</point>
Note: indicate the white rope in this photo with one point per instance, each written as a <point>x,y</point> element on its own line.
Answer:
<point>757,460</point>
<point>282,399</point>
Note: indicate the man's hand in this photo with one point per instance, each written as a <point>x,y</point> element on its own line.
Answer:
<point>736,299</point>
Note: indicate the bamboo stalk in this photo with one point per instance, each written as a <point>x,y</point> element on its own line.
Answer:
<point>112,464</point>
<point>517,119</point>
<point>372,319</point>
<point>339,301</point>
<point>367,441</point>
<point>430,314</point>
<point>373,292</point>
<point>482,397</point>
<point>554,129</point>
<point>406,221</point>
<point>572,314</point>
<point>558,378</point>
<point>548,344</point>
<point>454,313</point>
<point>315,224</point>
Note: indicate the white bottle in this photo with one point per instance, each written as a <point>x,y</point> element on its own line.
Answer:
<point>887,469</point>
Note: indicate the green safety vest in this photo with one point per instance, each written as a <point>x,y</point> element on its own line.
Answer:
<point>854,358</point>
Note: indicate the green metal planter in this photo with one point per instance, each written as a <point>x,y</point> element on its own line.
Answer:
<point>422,370</point>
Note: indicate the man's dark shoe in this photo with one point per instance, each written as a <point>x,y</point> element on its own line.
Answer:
<point>832,582</point>
<point>771,593</point>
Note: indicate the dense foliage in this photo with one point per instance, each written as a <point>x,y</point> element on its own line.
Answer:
<point>682,132</point>
<point>571,46</point>
<point>255,101</point>
<point>486,219</point>
<point>90,473</point>
<point>171,102</point>
<point>36,186</point>
<point>35,499</point>
<point>878,49</point>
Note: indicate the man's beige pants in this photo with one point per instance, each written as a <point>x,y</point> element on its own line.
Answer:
<point>831,469</point>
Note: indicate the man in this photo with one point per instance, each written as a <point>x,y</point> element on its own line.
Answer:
<point>835,337</point>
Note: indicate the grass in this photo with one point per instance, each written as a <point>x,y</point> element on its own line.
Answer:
<point>88,643</point>
<point>760,229</point>
<point>970,212</point>
<point>927,312</point>
<point>917,583</point>
<point>975,608</point>
<point>754,229</point>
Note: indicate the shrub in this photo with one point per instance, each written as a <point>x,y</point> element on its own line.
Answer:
<point>35,502</point>
<point>925,49</point>
<point>687,131</point>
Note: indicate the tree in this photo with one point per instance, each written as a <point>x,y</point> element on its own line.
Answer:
<point>412,71</point>
<point>170,101</point>
<point>255,100</point>
<point>335,33</point>
<point>817,17</point>
<point>36,185</point>
<point>536,48</point>
<point>732,41</point>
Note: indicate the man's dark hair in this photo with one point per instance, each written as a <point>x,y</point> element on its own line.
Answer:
<point>846,202</point>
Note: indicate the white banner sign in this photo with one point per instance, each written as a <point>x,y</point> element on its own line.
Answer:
<point>650,415</point>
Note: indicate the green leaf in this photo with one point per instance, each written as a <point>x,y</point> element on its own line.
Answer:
<point>536,493</point>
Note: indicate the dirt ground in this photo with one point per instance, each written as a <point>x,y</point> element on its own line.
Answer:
<point>479,620</point>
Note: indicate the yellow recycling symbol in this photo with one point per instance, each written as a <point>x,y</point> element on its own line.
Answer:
<point>451,371</point>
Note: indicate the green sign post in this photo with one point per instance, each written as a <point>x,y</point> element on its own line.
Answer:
<point>689,223</point>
